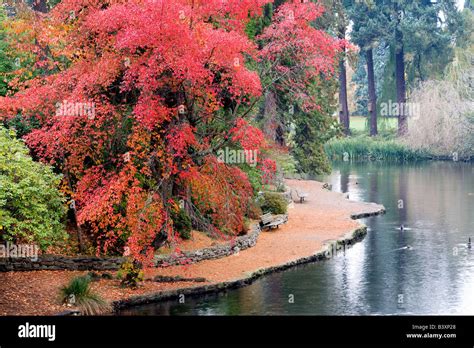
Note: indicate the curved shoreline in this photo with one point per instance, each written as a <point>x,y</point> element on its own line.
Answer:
<point>315,230</point>
<point>325,253</point>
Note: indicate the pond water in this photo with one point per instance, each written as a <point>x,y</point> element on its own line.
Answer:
<point>424,269</point>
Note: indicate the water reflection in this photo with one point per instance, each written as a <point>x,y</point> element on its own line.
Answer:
<point>424,269</point>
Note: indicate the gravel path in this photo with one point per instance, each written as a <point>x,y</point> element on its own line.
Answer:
<point>324,217</point>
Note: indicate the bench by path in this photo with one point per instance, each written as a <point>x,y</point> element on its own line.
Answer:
<point>324,217</point>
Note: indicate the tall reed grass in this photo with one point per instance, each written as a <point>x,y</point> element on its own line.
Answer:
<point>371,148</point>
<point>79,290</point>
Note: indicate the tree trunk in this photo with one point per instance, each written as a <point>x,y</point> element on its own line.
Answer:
<point>401,91</point>
<point>400,79</point>
<point>343,106</point>
<point>166,192</point>
<point>273,126</point>
<point>40,6</point>
<point>80,239</point>
<point>372,94</point>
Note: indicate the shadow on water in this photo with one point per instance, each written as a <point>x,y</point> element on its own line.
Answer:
<point>424,269</point>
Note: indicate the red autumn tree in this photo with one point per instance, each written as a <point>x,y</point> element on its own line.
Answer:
<point>296,53</point>
<point>295,58</point>
<point>134,101</point>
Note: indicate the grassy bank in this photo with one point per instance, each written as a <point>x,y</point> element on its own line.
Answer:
<point>385,125</point>
<point>371,148</point>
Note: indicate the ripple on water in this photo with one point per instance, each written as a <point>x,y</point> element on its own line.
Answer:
<point>424,269</point>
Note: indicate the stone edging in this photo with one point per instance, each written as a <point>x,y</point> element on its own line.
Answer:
<point>55,263</point>
<point>215,252</point>
<point>88,263</point>
<point>326,253</point>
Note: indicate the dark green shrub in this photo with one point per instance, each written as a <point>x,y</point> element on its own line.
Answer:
<point>182,223</point>
<point>93,276</point>
<point>78,286</point>
<point>274,203</point>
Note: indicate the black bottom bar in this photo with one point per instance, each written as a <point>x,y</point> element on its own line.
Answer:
<point>453,331</point>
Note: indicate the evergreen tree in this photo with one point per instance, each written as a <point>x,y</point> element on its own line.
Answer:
<point>469,4</point>
<point>381,59</point>
<point>368,31</point>
<point>314,129</point>
<point>284,113</point>
<point>335,21</point>
<point>420,34</point>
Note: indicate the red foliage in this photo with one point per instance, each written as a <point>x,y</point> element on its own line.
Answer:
<point>156,73</point>
<point>268,167</point>
<point>222,192</point>
<point>298,53</point>
<point>248,136</point>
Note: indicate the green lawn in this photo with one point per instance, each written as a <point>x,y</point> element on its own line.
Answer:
<point>359,123</point>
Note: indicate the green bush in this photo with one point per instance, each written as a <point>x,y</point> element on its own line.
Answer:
<point>78,292</point>
<point>274,203</point>
<point>32,209</point>
<point>286,162</point>
<point>131,274</point>
<point>182,223</point>
<point>255,176</point>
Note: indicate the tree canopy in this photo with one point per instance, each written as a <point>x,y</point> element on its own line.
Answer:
<point>134,99</point>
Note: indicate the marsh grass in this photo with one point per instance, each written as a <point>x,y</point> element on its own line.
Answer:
<point>88,302</point>
<point>368,148</point>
